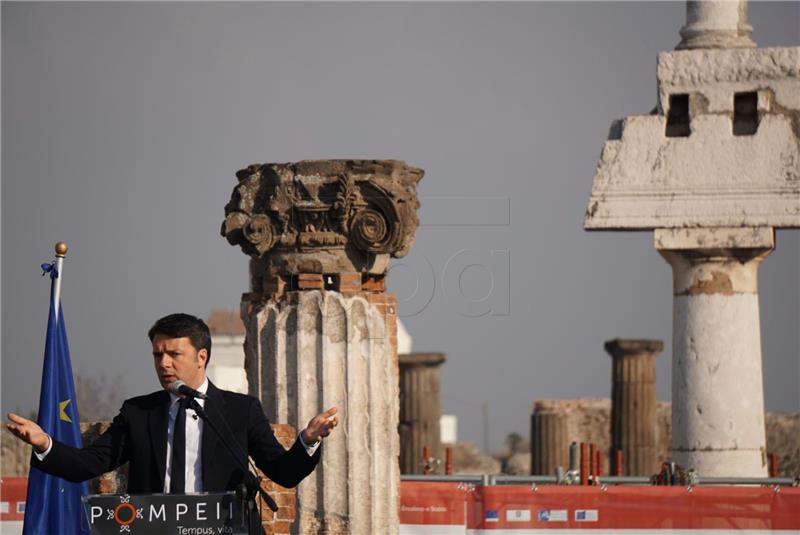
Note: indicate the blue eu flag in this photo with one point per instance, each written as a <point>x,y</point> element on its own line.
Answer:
<point>53,505</point>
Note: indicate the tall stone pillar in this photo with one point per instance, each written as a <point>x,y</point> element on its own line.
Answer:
<point>321,328</point>
<point>712,172</point>
<point>717,391</point>
<point>420,409</point>
<point>549,439</point>
<point>633,404</point>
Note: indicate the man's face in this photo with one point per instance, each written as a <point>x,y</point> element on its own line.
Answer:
<point>176,358</point>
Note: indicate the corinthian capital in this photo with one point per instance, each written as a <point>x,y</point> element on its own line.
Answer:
<point>324,216</point>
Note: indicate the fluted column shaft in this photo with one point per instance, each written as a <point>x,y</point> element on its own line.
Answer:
<point>549,440</point>
<point>420,409</point>
<point>319,349</point>
<point>633,404</point>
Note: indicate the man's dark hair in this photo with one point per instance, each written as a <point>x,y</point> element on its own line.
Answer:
<point>184,326</point>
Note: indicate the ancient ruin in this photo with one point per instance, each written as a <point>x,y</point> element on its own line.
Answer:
<point>589,420</point>
<point>713,171</point>
<point>633,404</point>
<point>549,439</point>
<point>420,410</point>
<point>321,328</point>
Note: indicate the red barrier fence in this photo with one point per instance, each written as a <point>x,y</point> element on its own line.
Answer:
<point>430,508</point>
<point>431,505</point>
<point>12,498</point>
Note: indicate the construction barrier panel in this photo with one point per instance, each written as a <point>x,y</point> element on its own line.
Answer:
<point>642,509</point>
<point>522,510</point>
<point>433,508</point>
<point>13,492</point>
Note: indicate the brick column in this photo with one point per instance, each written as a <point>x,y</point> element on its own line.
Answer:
<point>633,404</point>
<point>281,522</point>
<point>114,482</point>
<point>321,330</point>
<point>549,439</point>
<point>420,409</point>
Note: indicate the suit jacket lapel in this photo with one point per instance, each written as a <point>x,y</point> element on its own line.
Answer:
<point>159,421</point>
<point>213,406</point>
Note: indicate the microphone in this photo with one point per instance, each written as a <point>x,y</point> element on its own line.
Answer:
<point>180,388</point>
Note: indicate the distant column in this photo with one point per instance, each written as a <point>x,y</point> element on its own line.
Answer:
<point>633,404</point>
<point>549,440</point>
<point>420,409</point>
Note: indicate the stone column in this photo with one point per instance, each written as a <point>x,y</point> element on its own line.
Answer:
<point>717,390</point>
<point>716,24</point>
<point>713,172</point>
<point>321,328</point>
<point>420,409</point>
<point>633,404</point>
<point>549,439</point>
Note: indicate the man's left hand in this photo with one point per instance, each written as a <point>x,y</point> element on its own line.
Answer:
<point>320,426</point>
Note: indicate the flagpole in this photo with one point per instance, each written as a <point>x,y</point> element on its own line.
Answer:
<point>53,505</point>
<point>61,251</point>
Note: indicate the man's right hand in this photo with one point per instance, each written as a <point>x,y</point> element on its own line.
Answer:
<point>28,431</point>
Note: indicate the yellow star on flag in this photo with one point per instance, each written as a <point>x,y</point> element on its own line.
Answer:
<point>62,412</point>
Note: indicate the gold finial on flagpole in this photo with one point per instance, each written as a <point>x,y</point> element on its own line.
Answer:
<point>61,251</point>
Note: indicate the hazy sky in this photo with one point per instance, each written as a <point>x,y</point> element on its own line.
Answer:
<point>123,125</point>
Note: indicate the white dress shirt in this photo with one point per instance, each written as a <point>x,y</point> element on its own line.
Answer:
<point>193,467</point>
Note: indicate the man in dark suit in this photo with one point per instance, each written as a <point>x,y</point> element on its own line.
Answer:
<point>171,450</point>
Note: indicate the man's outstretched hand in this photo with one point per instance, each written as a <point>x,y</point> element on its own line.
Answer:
<point>320,426</point>
<point>28,431</point>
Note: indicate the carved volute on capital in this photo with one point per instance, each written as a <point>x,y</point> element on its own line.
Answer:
<point>324,216</point>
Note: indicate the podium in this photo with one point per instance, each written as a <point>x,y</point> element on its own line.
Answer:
<point>165,514</point>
